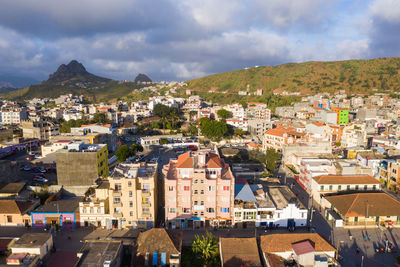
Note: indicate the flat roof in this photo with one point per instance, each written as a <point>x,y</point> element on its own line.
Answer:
<point>32,240</point>
<point>95,253</point>
<point>12,188</point>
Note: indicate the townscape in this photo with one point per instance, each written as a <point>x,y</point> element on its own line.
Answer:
<point>182,181</point>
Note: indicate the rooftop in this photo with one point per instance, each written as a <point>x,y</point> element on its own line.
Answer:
<point>345,179</point>
<point>282,196</point>
<point>159,240</point>
<point>95,253</point>
<point>240,252</point>
<point>11,188</point>
<point>283,242</point>
<point>60,206</point>
<point>9,206</point>
<point>357,204</point>
<point>32,240</point>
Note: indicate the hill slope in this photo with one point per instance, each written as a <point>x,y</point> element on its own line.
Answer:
<point>359,76</point>
<point>75,79</point>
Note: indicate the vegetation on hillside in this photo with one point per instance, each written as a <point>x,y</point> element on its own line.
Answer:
<point>310,77</point>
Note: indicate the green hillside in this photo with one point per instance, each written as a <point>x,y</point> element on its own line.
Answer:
<point>354,76</point>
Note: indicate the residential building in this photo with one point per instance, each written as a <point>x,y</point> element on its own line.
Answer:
<point>311,167</point>
<point>94,213</point>
<point>328,184</point>
<point>53,147</point>
<point>107,253</point>
<point>13,115</point>
<point>12,190</point>
<point>354,135</point>
<point>342,115</point>
<point>16,212</point>
<point>236,110</point>
<point>37,244</point>
<point>236,123</point>
<point>81,164</point>
<point>198,190</point>
<point>361,209</point>
<point>285,112</point>
<point>273,206</point>
<point>258,111</point>
<point>40,128</point>
<point>302,249</point>
<point>59,213</point>
<point>276,138</point>
<point>158,247</point>
<point>239,252</point>
<point>133,195</point>
<point>257,127</point>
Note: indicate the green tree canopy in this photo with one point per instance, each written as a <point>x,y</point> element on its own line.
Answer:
<point>213,129</point>
<point>100,117</point>
<point>223,114</point>
<point>206,249</point>
<point>272,158</point>
<point>122,153</point>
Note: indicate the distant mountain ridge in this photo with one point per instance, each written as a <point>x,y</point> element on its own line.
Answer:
<point>142,78</point>
<point>76,72</point>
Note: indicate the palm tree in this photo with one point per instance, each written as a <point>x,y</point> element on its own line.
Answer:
<point>174,117</point>
<point>206,248</point>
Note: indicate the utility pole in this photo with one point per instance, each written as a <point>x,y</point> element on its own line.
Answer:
<point>311,210</point>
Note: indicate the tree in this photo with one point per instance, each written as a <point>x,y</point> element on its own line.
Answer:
<point>223,114</point>
<point>193,130</point>
<point>100,117</point>
<point>135,148</point>
<point>213,129</point>
<point>122,153</point>
<point>206,248</point>
<point>272,158</point>
<point>239,131</point>
<point>164,141</point>
<point>243,103</point>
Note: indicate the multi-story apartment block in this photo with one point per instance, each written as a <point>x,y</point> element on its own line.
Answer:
<point>40,128</point>
<point>258,111</point>
<point>80,164</point>
<point>257,127</point>
<point>94,213</point>
<point>13,116</point>
<point>240,124</point>
<point>342,115</point>
<point>236,110</point>
<point>278,137</point>
<point>133,195</point>
<point>312,167</point>
<point>198,190</point>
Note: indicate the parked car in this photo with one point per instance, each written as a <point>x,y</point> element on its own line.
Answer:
<point>154,160</point>
<point>37,156</point>
<point>40,179</point>
<point>38,175</point>
<point>25,168</point>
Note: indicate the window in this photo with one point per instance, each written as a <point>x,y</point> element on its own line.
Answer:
<point>356,187</point>
<point>146,210</point>
<point>170,188</point>
<point>117,200</point>
<point>348,187</point>
<point>118,187</point>
<point>202,202</point>
<point>130,204</point>
<point>249,215</point>
<point>202,213</point>
<point>330,188</point>
<point>211,210</point>
<point>202,192</point>
<point>195,191</point>
<point>130,193</point>
<point>302,215</point>
<point>195,202</point>
<point>322,188</point>
<point>211,188</point>
<point>339,187</point>
<point>131,213</point>
<point>224,209</point>
<point>129,183</point>
<point>196,181</point>
<point>365,187</point>
<point>186,210</point>
<point>186,188</point>
<point>172,210</point>
<point>226,188</point>
<point>238,214</point>
<point>9,219</point>
<point>202,181</point>
<point>374,187</point>
<point>146,187</point>
<point>196,213</point>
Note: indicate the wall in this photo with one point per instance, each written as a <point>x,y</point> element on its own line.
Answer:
<point>77,168</point>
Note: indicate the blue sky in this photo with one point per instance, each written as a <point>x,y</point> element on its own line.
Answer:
<point>184,39</point>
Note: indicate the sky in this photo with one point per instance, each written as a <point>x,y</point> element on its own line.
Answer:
<point>184,39</point>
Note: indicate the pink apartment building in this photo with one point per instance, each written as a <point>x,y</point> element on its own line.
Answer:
<point>199,191</point>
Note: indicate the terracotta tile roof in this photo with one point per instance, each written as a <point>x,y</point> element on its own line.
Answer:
<point>280,131</point>
<point>8,206</point>
<point>345,179</point>
<point>240,252</point>
<point>214,161</point>
<point>283,242</point>
<point>318,124</point>
<point>303,247</point>
<point>275,260</point>
<point>185,161</point>
<point>355,205</point>
<point>159,240</point>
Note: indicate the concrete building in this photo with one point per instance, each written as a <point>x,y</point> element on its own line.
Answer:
<point>101,253</point>
<point>16,212</point>
<point>342,115</point>
<point>53,147</point>
<point>133,196</point>
<point>94,213</point>
<point>285,112</point>
<point>40,129</point>
<point>198,190</point>
<point>80,164</point>
<point>13,115</point>
<point>277,138</point>
<point>257,128</point>
<point>311,167</point>
<point>292,154</point>
<point>38,244</point>
<point>258,111</point>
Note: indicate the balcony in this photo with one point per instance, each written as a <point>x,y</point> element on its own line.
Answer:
<point>146,193</point>
<point>117,193</point>
<point>118,215</point>
<point>146,204</point>
<point>117,204</point>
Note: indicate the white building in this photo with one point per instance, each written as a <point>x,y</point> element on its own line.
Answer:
<point>313,167</point>
<point>13,116</point>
